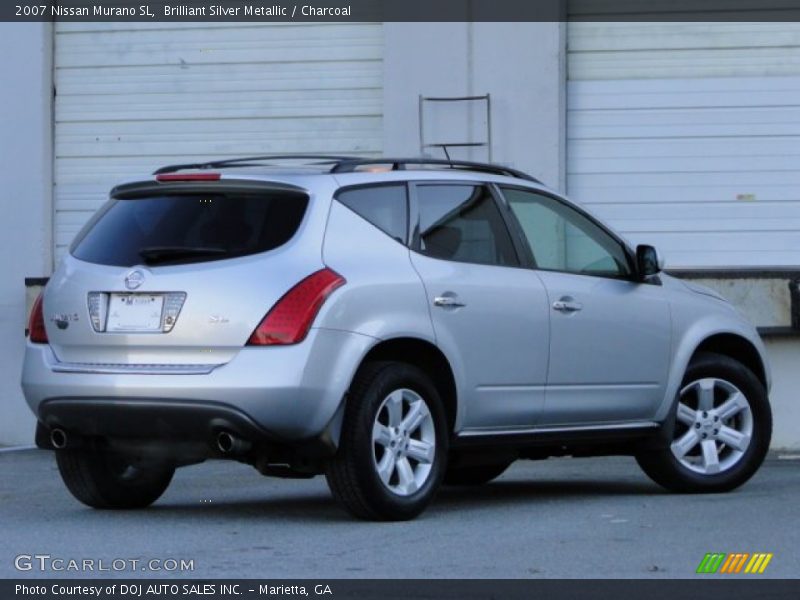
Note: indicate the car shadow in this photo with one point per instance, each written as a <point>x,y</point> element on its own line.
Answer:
<point>513,492</point>
<point>322,507</point>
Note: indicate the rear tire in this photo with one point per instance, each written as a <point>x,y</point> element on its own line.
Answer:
<point>475,475</point>
<point>393,447</point>
<point>108,481</point>
<point>723,426</point>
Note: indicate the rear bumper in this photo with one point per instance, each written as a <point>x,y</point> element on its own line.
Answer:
<point>288,393</point>
<point>161,420</point>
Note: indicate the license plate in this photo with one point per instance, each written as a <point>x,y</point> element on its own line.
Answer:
<point>135,312</point>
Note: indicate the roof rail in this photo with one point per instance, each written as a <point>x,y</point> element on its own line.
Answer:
<point>350,164</point>
<point>400,164</point>
<point>321,159</point>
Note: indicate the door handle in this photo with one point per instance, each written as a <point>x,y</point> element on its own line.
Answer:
<point>567,305</point>
<point>447,302</point>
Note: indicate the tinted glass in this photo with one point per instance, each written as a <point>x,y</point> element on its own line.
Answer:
<point>384,206</point>
<point>562,239</point>
<point>463,223</point>
<point>189,228</point>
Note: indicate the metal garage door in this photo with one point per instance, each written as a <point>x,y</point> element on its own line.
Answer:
<point>687,135</point>
<point>131,97</point>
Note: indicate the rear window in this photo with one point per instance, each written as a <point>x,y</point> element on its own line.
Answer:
<point>179,229</point>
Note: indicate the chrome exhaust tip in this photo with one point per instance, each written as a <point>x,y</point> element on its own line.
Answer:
<point>227,443</point>
<point>58,437</point>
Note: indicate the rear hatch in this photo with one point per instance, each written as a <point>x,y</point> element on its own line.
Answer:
<point>179,273</point>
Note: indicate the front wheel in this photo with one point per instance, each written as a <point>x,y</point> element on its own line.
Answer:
<point>111,481</point>
<point>723,426</point>
<point>393,448</point>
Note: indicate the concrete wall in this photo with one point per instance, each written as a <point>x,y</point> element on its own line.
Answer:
<point>784,356</point>
<point>520,64</point>
<point>25,199</point>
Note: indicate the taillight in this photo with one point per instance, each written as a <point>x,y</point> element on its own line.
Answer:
<point>290,319</point>
<point>36,330</point>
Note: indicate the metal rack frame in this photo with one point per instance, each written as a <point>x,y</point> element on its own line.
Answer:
<point>445,145</point>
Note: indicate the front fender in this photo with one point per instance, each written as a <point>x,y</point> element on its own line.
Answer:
<point>689,335</point>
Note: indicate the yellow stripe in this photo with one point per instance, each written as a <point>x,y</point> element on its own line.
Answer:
<point>741,563</point>
<point>766,562</point>
<point>731,558</point>
<point>752,562</point>
<point>757,564</point>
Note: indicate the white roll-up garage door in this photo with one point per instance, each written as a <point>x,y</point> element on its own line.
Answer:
<point>131,97</point>
<point>687,136</point>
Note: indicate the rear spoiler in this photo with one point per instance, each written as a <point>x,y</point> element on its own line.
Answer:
<point>143,189</point>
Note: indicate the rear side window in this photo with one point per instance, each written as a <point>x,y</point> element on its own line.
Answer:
<point>385,206</point>
<point>462,223</point>
<point>178,229</point>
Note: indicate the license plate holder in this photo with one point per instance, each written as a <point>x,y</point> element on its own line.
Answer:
<point>135,313</point>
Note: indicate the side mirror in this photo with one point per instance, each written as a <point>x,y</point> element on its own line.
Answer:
<point>648,262</point>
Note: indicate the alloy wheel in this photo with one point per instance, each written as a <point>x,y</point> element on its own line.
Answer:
<point>404,442</point>
<point>714,426</point>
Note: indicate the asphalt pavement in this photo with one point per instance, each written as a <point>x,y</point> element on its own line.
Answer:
<point>558,518</point>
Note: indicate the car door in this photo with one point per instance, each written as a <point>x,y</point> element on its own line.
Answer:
<point>490,316</point>
<point>609,333</point>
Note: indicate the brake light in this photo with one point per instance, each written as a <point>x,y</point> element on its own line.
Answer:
<point>290,319</point>
<point>166,177</point>
<point>36,330</point>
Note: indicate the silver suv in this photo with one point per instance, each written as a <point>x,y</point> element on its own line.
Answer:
<point>393,324</point>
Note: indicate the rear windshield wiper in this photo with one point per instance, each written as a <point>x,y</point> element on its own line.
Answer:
<point>156,254</point>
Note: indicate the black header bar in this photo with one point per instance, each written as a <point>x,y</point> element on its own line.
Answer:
<point>152,11</point>
<point>732,588</point>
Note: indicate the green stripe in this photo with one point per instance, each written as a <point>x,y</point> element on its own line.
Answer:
<point>716,565</point>
<point>711,563</point>
<point>702,567</point>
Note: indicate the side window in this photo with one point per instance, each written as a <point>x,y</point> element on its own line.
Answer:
<point>385,206</point>
<point>463,223</point>
<point>562,239</point>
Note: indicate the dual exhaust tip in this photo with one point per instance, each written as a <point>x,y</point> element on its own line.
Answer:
<point>227,443</point>
<point>230,444</point>
<point>59,439</point>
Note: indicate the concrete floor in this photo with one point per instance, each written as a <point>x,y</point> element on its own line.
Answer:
<point>561,518</point>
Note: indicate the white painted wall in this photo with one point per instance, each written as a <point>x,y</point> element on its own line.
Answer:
<point>685,136</point>
<point>664,50</point>
<point>520,64</point>
<point>25,201</point>
<point>784,356</point>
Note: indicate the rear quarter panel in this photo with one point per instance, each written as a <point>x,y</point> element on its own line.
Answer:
<point>384,296</point>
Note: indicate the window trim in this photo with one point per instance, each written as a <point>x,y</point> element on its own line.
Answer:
<point>524,251</point>
<point>416,241</point>
<point>376,184</point>
<point>520,232</point>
